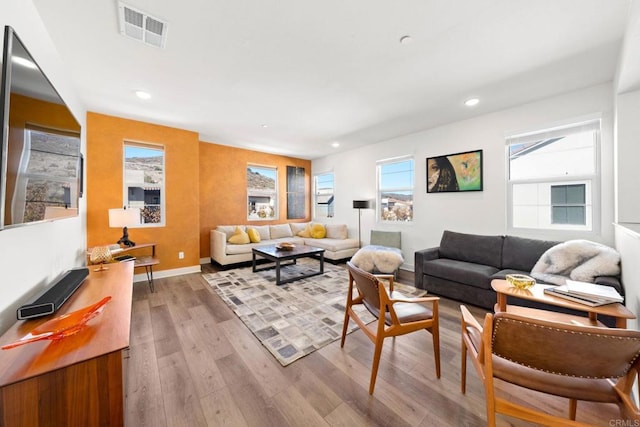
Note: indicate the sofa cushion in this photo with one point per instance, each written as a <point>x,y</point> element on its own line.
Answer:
<point>254,235</point>
<point>228,230</point>
<point>476,275</point>
<point>336,231</point>
<point>279,231</point>
<point>297,227</point>
<point>519,253</point>
<point>306,232</point>
<point>264,231</point>
<point>333,245</point>
<point>240,237</point>
<point>318,231</point>
<point>473,248</point>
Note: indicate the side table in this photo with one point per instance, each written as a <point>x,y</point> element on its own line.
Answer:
<point>146,261</point>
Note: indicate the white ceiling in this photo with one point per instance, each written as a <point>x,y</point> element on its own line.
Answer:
<point>293,76</point>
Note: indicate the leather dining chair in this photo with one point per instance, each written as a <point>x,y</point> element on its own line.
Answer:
<point>596,364</point>
<point>395,314</point>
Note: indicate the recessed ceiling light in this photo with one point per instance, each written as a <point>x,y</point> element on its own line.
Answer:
<point>405,39</point>
<point>471,102</point>
<point>142,94</point>
<point>335,144</point>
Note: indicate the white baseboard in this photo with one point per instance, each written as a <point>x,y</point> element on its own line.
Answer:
<point>142,277</point>
<point>206,260</point>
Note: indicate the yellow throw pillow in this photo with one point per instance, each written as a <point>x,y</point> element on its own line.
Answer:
<point>239,237</point>
<point>318,231</point>
<point>254,235</point>
<point>306,232</point>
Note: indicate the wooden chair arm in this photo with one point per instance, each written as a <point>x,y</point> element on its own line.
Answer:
<point>469,320</point>
<point>387,277</point>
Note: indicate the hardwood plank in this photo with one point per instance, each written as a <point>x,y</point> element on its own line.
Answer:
<point>164,331</point>
<point>296,410</point>
<point>212,335</point>
<point>144,401</point>
<point>220,409</point>
<point>181,402</point>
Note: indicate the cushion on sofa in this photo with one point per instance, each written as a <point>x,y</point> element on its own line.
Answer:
<point>306,232</point>
<point>279,231</point>
<point>240,237</point>
<point>333,245</point>
<point>254,235</point>
<point>228,230</point>
<point>519,253</point>
<point>336,231</point>
<point>297,227</point>
<point>264,231</point>
<point>318,231</point>
<point>468,273</point>
<point>473,248</point>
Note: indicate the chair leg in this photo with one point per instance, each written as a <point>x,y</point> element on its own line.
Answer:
<point>463,369</point>
<point>435,333</point>
<point>573,406</point>
<point>344,326</point>
<point>376,362</point>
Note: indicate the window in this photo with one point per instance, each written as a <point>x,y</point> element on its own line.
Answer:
<point>553,176</point>
<point>144,181</point>
<point>324,196</point>
<point>568,204</point>
<point>50,161</point>
<point>262,193</point>
<point>395,189</point>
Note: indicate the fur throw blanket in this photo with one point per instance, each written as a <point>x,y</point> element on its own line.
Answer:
<point>373,258</point>
<point>580,260</point>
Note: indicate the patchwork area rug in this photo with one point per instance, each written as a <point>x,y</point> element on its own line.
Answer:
<point>294,319</point>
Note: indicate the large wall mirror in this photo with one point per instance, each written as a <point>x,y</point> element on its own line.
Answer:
<point>41,175</point>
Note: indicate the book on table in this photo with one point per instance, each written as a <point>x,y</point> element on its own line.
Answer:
<point>593,290</point>
<point>563,292</point>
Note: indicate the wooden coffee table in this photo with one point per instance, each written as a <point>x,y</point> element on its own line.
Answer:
<point>278,256</point>
<point>536,293</point>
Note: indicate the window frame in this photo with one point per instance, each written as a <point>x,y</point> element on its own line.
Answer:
<point>590,180</point>
<point>162,188</point>
<point>379,190</point>
<point>330,205</point>
<point>274,198</point>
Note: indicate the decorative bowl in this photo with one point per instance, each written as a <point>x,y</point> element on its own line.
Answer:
<point>285,246</point>
<point>520,281</point>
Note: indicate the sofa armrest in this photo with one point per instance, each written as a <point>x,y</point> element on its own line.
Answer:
<point>418,260</point>
<point>218,245</point>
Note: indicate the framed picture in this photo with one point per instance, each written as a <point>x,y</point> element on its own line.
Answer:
<point>455,172</point>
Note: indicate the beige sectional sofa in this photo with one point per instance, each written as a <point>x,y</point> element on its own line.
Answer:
<point>336,243</point>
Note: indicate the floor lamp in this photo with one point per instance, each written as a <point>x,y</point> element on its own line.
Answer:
<point>360,204</point>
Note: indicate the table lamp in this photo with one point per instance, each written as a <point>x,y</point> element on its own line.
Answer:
<point>124,218</point>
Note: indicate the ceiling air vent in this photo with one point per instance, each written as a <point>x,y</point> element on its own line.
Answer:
<point>139,25</point>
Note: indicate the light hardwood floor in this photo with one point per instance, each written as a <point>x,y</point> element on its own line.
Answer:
<point>192,362</point>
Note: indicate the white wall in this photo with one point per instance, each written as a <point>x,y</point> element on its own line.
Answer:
<point>472,212</point>
<point>34,255</point>
<point>628,152</point>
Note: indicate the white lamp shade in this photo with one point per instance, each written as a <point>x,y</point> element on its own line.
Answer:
<point>124,217</point>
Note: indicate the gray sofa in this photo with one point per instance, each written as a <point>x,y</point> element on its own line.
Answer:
<point>462,267</point>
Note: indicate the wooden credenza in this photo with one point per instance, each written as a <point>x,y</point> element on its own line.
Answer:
<point>77,380</point>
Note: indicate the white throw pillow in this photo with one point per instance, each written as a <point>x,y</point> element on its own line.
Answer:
<point>336,231</point>
<point>297,227</point>
<point>280,231</point>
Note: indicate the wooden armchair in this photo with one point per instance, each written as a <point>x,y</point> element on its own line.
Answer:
<point>400,314</point>
<point>561,359</point>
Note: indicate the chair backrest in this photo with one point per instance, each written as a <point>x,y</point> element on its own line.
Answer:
<point>390,239</point>
<point>565,349</point>
<point>368,286</point>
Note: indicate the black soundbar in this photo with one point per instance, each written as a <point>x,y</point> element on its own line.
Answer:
<point>56,295</point>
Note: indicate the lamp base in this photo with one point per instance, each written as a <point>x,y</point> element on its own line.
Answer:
<point>124,240</point>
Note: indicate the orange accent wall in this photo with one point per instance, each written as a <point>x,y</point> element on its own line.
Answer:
<point>104,186</point>
<point>223,187</point>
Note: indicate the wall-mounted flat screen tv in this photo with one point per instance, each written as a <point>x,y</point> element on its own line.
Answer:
<point>41,162</point>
